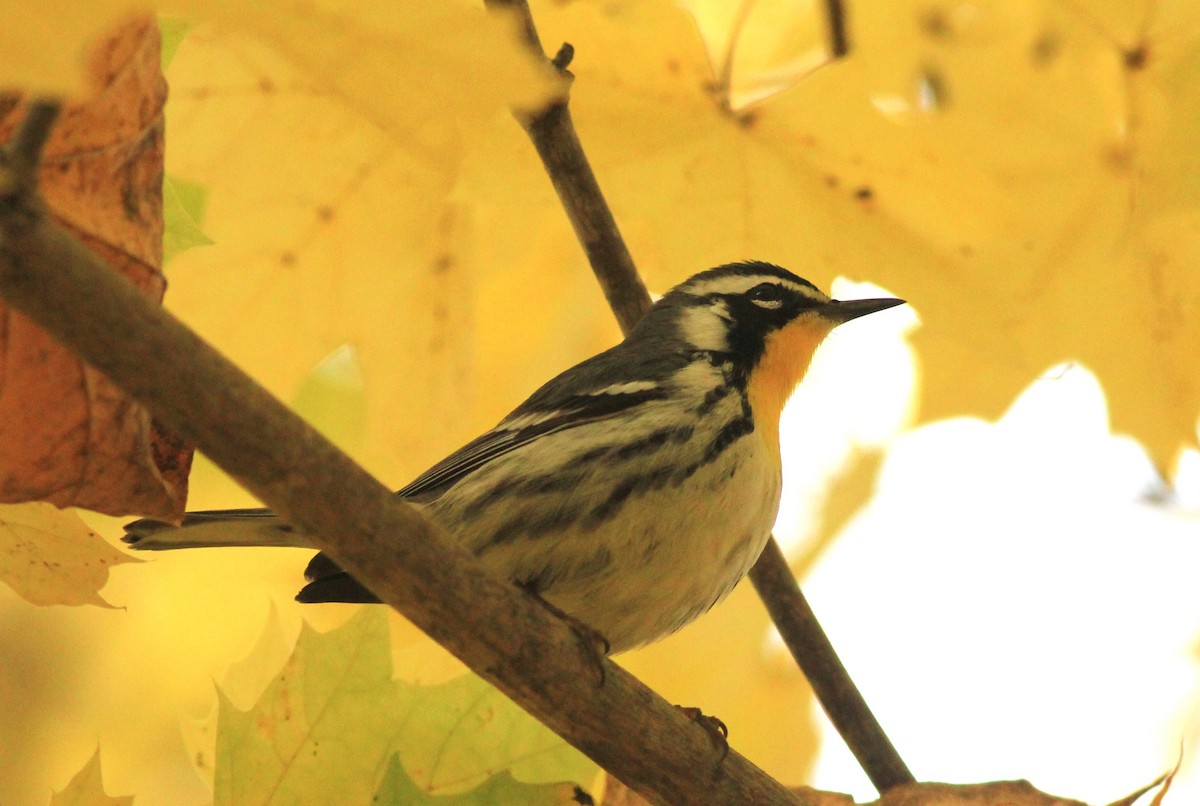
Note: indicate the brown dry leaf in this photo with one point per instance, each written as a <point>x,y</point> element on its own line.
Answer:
<point>67,434</point>
<point>996,793</point>
<point>999,793</point>
<point>1163,784</point>
<point>1166,782</point>
<point>87,789</point>
<point>617,794</point>
<point>50,556</point>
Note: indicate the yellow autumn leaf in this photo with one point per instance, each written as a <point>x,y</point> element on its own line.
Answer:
<point>1019,173</point>
<point>403,288</point>
<point>50,556</point>
<point>1040,155</point>
<point>87,788</point>
<point>330,223</point>
<point>45,45</point>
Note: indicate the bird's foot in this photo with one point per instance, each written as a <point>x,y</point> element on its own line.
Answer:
<point>714,727</point>
<point>592,643</point>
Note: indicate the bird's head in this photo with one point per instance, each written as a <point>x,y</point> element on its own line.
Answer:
<point>762,320</point>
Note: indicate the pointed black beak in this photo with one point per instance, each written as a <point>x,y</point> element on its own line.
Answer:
<point>840,311</point>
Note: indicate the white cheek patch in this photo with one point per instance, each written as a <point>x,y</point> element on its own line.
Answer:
<point>705,327</point>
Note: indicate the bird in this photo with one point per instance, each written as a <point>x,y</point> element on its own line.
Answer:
<point>631,492</point>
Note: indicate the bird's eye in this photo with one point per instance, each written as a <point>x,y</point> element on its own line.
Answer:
<point>766,295</point>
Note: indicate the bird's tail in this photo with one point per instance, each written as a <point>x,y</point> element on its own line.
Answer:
<point>220,527</point>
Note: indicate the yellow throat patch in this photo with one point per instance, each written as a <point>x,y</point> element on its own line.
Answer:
<point>786,356</point>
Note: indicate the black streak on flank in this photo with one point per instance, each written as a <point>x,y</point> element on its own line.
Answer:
<point>636,485</point>
<point>613,503</point>
<point>733,431</point>
<point>557,520</point>
<point>712,398</point>
<point>654,441</point>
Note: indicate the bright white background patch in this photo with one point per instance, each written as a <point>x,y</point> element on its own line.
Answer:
<point>1010,602</point>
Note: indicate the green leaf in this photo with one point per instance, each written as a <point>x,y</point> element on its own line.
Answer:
<point>397,789</point>
<point>183,210</point>
<point>460,732</point>
<point>333,398</point>
<point>328,727</point>
<point>173,31</point>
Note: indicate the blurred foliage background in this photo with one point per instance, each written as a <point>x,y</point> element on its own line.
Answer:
<point>994,497</point>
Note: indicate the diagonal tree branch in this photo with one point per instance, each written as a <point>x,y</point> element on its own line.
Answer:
<point>495,628</point>
<point>554,137</point>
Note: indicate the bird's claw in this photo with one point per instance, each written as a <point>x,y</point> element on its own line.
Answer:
<point>717,731</point>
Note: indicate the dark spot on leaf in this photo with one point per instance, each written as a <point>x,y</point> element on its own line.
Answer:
<point>1136,58</point>
<point>1045,49</point>
<point>935,23</point>
<point>864,193</point>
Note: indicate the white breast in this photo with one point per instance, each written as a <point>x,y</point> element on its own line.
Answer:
<point>665,557</point>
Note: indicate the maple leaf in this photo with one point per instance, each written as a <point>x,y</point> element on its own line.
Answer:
<point>328,726</point>
<point>87,788</point>
<point>397,789</point>
<point>36,66</point>
<point>1024,176</point>
<point>49,556</point>
<point>328,141</point>
<point>69,435</point>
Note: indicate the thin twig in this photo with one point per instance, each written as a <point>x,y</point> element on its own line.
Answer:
<point>810,646</point>
<point>21,156</point>
<point>408,560</point>
<point>553,135</point>
<point>562,154</point>
<point>839,40</point>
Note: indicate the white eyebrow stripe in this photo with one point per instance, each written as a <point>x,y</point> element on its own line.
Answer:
<point>741,283</point>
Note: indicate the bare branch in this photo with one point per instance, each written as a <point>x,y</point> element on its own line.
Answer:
<point>553,135</point>
<point>810,646</point>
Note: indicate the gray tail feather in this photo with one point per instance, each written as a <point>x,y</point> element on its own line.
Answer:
<point>218,527</point>
<point>327,582</point>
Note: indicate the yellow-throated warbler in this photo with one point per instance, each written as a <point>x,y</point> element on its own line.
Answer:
<point>634,490</point>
